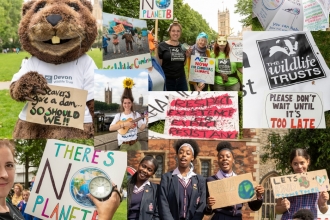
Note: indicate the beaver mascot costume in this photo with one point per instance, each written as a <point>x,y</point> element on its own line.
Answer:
<point>57,33</point>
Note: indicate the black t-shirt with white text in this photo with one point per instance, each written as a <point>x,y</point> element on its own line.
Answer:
<point>173,60</point>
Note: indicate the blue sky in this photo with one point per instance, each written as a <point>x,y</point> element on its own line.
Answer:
<point>114,78</point>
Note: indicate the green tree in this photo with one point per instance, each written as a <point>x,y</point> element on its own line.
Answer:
<point>315,141</point>
<point>10,15</point>
<point>29,153</point>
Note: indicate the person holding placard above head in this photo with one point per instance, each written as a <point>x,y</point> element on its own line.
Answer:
<point>299,161</point>
<point>142,194</point>
<point>226,78</point>
<point>172,58</point>
<point>225,162</point>
<point>199,49</point>
<point>182,192</point>
<point>128,121</point>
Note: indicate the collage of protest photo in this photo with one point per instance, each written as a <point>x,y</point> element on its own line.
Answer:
<point>164,109</point>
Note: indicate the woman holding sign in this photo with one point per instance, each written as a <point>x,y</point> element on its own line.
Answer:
<point>172,58</point>
<point>182,192</point>
<point>299,161</point>
<point>226,78</point>
<point>142,194</point>
<point>199,49</point>
<point>225,162</point>
<point>128,122</point>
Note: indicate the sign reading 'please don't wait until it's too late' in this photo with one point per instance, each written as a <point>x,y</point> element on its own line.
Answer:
<point>61,106</point>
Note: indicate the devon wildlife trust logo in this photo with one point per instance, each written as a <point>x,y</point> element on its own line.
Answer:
<point>289,60</point>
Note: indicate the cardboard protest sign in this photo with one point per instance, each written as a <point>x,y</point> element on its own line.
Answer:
<point>61,186</point>
<point>231,191</point>
<point>119,28</point>
<point>61,106</point>
<point>292,15</point>
<point>224,66</point>
<point>132,49</point>
<point>236,50</point>
<point>286,62</point>
<point>207,116</point>
<point>300,184</point>
<point>293,110</point>
<point>156,9</point>
<point>202,69</point>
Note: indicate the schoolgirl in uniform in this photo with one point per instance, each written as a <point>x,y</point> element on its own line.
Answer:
<point>225,162</point>
<point>299,161</point>
<point>182,192</point>
<point>142,194</point>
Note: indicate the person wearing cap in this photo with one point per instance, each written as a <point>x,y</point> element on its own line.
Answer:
<point>182,192</point>
<point>172,58</point>
<point>199,49</point>
<point>225,162</point>
<point>224,81</point>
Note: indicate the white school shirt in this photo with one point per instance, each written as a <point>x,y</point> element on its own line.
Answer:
<point>77,74</point>
<point>132,132</point>
<point>139,189</point>
<point>184,178</point>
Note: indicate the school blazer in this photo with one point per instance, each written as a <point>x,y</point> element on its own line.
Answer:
<point>148,207</point>
<point>168,200</point>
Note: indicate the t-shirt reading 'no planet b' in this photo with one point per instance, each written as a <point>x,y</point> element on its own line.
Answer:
<point>77,74</point>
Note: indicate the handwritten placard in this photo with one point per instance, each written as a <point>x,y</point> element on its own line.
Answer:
<point>300,184</point>
<point>207,116</point>
<point>236,50</point>
<point>202,69</point>
<point>232,191</point>
<point>61,186</point>
<point>156,9</point>
<point>294,110</point>
<point>118,28</point>
<point>61,106</point>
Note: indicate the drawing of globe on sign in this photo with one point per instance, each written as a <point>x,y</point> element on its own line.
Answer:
<point>272,4</point>
<point>162,4</point>
<point>245,190</point>
<point>79,185</point>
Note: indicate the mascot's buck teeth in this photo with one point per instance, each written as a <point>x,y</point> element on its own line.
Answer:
<point>55,40</point>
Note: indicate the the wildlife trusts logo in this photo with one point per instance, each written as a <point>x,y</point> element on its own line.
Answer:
<point>289,60</point>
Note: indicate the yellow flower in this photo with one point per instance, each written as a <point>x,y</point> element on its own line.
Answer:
<point>128,83</point>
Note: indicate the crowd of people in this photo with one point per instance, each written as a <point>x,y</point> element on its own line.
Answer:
<point>174,59</point>
<point>183,194</point>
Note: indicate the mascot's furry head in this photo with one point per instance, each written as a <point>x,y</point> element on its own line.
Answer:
<point>57,31</point>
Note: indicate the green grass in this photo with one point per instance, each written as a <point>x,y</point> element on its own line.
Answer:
<point>9,110</point>
<point>10,63</point>
<point>121,213</point>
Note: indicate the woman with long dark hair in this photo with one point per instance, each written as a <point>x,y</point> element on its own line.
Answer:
<point>182,192</point>
<point>142,194</point>
<point>129,121</point>
<point>225,162</point>
<point>299,161</point>
<point>225,80</point>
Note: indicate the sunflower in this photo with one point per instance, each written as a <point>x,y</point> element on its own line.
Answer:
<point>128,83</point>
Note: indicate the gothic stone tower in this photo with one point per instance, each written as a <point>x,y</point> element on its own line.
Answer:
<point>108,96</point>
<point>224,22</point>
